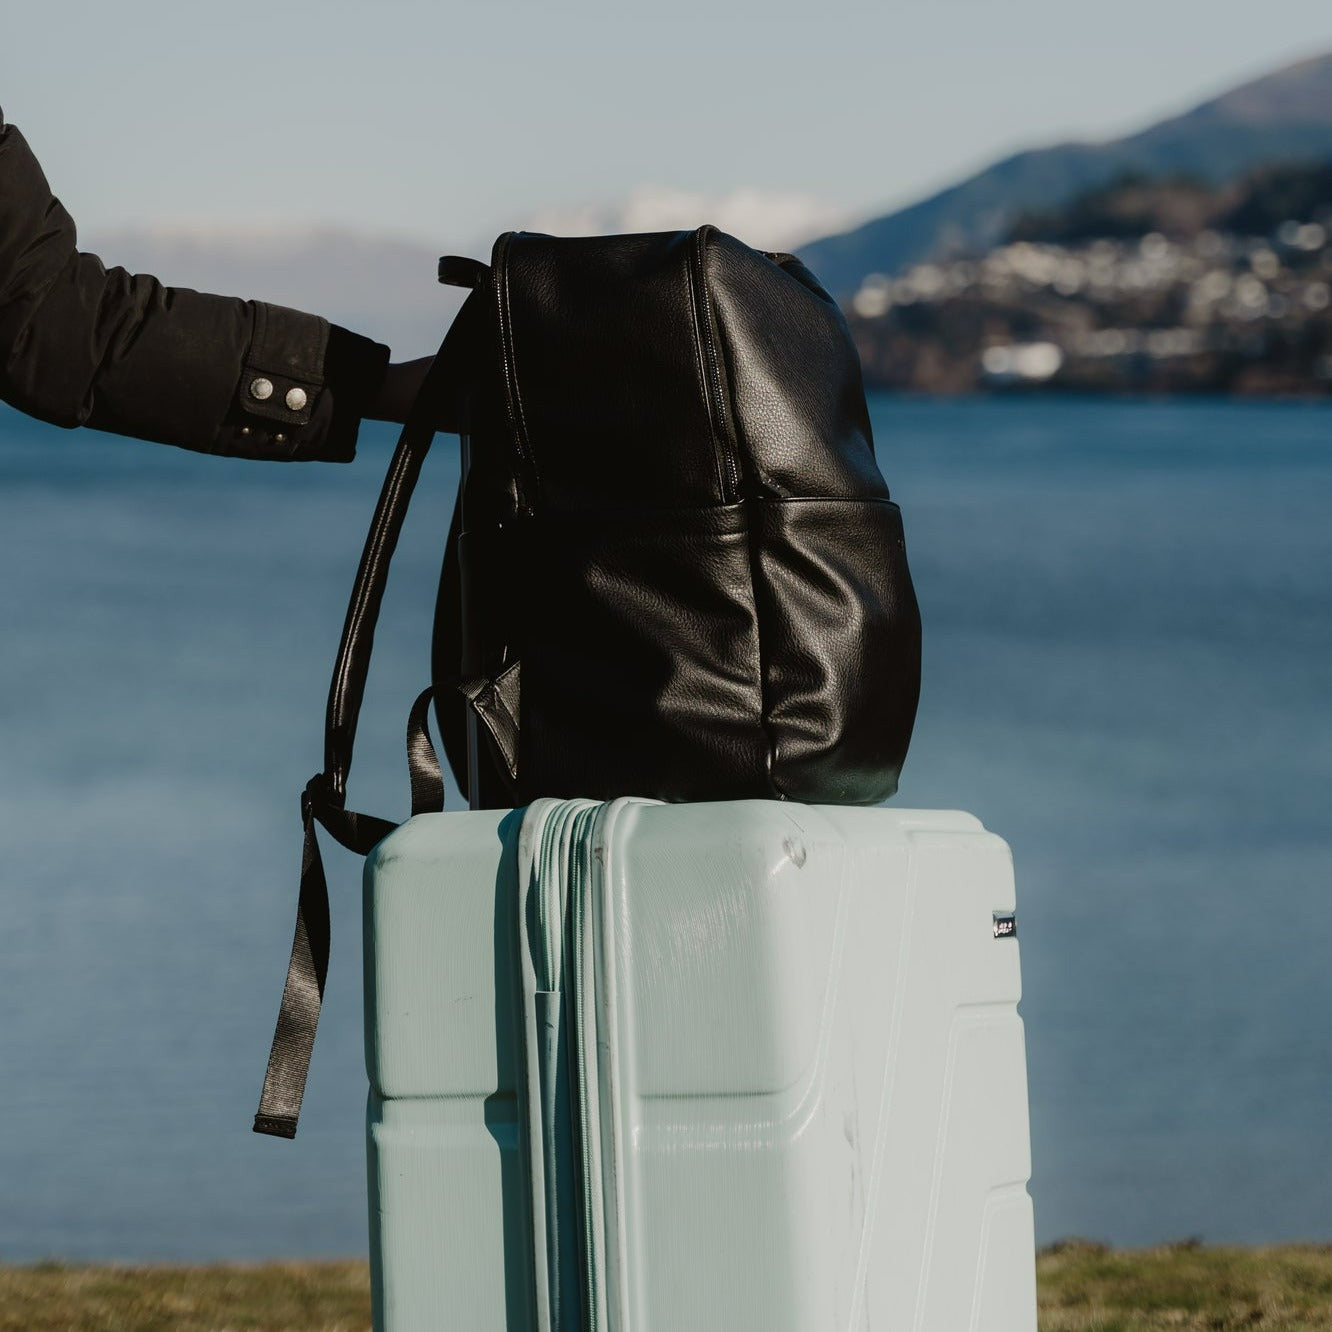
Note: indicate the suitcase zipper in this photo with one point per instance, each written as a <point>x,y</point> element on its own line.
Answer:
<point>580,887</point>
<point>723,440</point>
<point>560,918</point>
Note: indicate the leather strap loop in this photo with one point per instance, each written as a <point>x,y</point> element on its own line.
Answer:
<point>455,270</point>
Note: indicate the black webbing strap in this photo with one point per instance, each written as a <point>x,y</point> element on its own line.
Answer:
<point>303,992</point>
<point>423,768</point>
<point>438,406</point>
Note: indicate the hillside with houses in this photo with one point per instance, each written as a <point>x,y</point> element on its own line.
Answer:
<point>1145,285</point>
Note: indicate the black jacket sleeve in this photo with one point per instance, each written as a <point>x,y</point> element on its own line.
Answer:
<point>81,344</point>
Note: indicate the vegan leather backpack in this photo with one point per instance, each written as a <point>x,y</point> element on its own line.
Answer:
<point>674,569</point>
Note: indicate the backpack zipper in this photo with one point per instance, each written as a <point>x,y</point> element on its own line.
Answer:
<point>722,438</point>
<point>513,401</point>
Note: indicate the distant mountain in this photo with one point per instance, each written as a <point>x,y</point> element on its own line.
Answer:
<point>1152,284</point>
<point>1283,117</point>
<point>386,287</point>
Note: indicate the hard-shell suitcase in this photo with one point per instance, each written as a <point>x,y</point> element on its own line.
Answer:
<point>746,1066</point>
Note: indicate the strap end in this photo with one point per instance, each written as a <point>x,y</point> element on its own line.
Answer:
<point>276,1126</point>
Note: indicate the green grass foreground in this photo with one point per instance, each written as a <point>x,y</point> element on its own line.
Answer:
<point>273,1297</point>
<point>1084,1287</point>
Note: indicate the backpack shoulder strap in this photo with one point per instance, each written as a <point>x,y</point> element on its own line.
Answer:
<point>441,404</point>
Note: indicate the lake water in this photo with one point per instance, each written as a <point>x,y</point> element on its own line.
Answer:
<point>1128,674</point>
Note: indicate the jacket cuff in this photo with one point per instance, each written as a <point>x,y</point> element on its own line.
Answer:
<point>354,372</point>
<point>303,388</point>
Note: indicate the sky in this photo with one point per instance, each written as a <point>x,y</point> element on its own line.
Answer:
<point>453,120</point>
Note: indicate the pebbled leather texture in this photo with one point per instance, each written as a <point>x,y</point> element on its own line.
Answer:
<point>676,526</point>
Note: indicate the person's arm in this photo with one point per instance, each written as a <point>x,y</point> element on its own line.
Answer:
<point>84,345</point>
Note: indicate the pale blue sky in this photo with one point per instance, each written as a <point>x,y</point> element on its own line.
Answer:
<point>432,119</point>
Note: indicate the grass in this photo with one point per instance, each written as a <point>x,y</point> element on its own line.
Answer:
<point>274,1297</point>
<point>1084,1287</point>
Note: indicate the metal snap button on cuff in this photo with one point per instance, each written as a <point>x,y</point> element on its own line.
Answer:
<point>261,388</point>
<point>296,399</point>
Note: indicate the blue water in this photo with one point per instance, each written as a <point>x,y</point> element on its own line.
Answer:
<point>1128,616</point>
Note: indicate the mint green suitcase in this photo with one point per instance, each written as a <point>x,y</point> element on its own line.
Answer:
<point>752,1067</point>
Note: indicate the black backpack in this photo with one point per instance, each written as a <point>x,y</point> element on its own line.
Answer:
<point>674,568</point>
